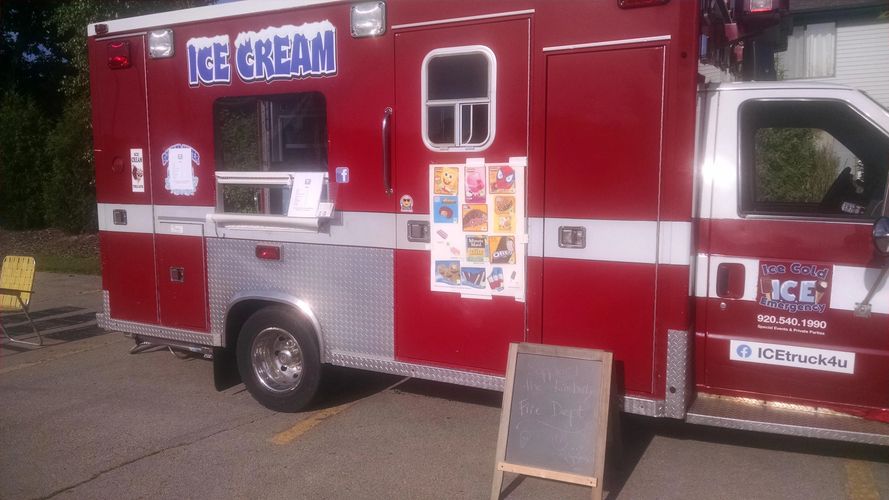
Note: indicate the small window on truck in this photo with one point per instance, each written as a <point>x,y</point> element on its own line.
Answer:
<point>267,134</point>
<point>458,96</point>
<point>811,159</point>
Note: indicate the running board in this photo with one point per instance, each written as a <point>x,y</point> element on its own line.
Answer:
<point>793,420</point>
<point>144,343</point>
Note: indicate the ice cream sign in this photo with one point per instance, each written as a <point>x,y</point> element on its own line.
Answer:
<point>271,54</point>
<point>794,286</point>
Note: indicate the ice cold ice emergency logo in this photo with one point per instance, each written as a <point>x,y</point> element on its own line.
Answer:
<point>794,287</point>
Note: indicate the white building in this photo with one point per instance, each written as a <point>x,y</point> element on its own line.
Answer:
<point>838,41</point>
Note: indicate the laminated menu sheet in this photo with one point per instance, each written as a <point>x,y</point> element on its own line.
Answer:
<point>478,239</point>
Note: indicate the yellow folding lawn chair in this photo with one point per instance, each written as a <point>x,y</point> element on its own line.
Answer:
<point>16,282</point>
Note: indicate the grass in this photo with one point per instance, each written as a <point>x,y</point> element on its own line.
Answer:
<point>53,250</point>
<point>68,264</point>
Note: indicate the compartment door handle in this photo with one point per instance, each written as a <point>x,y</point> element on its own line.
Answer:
<point>572,237</point>
<point>387,156</point>
<point>730,278</point>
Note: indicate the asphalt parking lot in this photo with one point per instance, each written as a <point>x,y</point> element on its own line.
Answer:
<point>82,418</point>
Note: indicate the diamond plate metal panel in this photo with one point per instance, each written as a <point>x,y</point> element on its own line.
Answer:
<point>350,289</point>
<point>106,322</point>
<point>754,416</point>
<point>643,406</point>
<point>103,317</point>
<point>678,373</point>
<point>437,374</point>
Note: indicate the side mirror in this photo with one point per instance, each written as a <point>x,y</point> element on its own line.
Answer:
<point>881,235</point>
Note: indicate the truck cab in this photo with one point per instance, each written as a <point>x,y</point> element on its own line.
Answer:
<point>791,300</point>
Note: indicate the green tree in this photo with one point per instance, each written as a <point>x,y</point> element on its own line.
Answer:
<point>69,195</point>
<point>792,165</point>
<point>23,161</point>
<point>238,150</point>
<point>46,164</point>
<point>30,60</point>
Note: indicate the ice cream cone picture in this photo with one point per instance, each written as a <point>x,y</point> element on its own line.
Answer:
<point>820,289</point>
<point>765,288</point>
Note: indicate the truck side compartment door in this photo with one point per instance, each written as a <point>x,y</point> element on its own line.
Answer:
<point>603,164</point>
<point>123,183</point>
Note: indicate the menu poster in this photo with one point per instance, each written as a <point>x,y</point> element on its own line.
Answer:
<point>180,170</point>
<point>478,234</point>
<point>305,194</point>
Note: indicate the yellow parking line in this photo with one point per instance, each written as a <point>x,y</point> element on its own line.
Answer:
<point>304,426</point>
<point>860,481</point>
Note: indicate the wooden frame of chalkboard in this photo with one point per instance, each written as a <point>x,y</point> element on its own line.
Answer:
<point>554,421</point>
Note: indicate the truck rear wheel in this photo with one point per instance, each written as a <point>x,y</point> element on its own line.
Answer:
<point>279,359</point>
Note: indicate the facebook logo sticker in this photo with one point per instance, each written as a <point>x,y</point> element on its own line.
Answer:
<point>744,351</point>
<point>342,175</point>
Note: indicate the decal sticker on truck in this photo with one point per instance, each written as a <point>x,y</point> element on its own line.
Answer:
<point>445,180</point>
<point>270,54</point>
<point>475,185</point>
<point>445,209</point>
<point>793,297</point>
<point>406,203</point>
<point>180,160</point>
<point>208,60</point>
<point>792,356</point>
<point>137,172</point>
<point>478,248</point>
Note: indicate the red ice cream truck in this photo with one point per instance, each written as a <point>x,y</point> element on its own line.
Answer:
<point>410,186</point>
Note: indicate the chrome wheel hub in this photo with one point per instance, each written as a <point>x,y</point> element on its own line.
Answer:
<point>277,360</point>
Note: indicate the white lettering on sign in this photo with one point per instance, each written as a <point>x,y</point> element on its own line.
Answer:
<point>208,61</point>
<point>286,52</point>
<point>270,54</point>
<point>792,356</point>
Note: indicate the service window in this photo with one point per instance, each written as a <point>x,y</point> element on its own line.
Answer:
<point>818,159</point>
<point>458,98</point>
<point>281,133</point>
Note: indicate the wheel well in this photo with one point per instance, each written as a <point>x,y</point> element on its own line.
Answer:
<point>240,311</point>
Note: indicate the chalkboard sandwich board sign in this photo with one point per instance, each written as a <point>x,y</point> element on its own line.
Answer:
<point>554,419</point>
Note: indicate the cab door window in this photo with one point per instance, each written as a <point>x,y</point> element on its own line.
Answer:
<point>809,158</point>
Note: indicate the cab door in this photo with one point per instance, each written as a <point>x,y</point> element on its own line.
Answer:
<point>461,92</point>
<point>790,251</point>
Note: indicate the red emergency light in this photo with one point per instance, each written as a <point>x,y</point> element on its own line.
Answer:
<point>268,252</point>
<point>119,55</point>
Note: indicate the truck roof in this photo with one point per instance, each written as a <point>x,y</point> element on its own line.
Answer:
<point>171,18</point>
<point>783,85</point>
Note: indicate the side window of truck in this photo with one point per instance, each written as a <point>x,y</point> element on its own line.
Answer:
<point>811,158</point>
<point>279,133</point>
<point>458,86</point>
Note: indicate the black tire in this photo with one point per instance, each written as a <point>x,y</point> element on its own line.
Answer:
<point>275,344</point>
